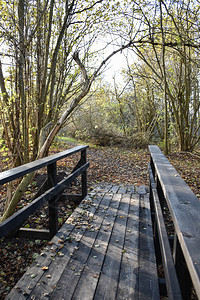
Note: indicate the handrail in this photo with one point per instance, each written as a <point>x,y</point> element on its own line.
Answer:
<point>20,171</point>
<point>50,195</point>
<point>184,208</point>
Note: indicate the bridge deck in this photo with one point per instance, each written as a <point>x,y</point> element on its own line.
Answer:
<point>104,251</point>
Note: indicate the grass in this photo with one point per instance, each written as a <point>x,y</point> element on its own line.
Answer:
<point>67,139</point>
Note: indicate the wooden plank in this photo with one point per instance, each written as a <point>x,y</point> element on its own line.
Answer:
<point>103,188</point>
<point>23,288</point>
<point>95,260</point>
<point>39,234</point>
<point>87,251</point>
<point>35,276</point>
<point>89,278</point>
<point>184,207</point>
<point>108,281</point>
<point>187,226</point>
<point>70,252</point>
<point>128,280</point>
<point>114,189</point>
<point>172,283</point>
<point>130,189</point>
<point>148,279</point>
<point>122,190</point>
<point>17,172</point>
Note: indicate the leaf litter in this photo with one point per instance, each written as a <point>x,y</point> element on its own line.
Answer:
<point>107,164</point>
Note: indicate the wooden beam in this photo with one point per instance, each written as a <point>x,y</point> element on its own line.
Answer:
<point>71,197</point>
<point>172,283</point>
<point>184,207</point>
<point>20,171</point>
<point>15,221</point>
<point>40,234</point>
<point>148,278</point>
<point>53,203</point>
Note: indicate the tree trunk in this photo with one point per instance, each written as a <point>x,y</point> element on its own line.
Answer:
<point>21,78</point>
<point>166,149</point>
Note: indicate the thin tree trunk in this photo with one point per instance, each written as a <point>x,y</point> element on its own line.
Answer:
<point>21,78</point>
<point>166,149</point>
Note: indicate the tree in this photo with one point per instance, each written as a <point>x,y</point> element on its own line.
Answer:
<point>142,100</point>
<point>55,63</point>
<point>53,70</point>
<point>171,39</point>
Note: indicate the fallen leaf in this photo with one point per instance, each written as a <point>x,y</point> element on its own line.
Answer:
<point>44,268</point>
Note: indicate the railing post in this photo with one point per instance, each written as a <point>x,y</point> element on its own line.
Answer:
<point>53,204</point>
<point>84,174</point>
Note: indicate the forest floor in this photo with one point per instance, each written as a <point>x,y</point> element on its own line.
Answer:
<point>107,164</point>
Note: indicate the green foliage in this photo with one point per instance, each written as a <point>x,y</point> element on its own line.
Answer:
<point>107,119</point>
<point>55,52</point>
<point>43,79</point>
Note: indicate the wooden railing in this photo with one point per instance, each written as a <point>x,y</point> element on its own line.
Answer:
<point>49,193</point>
<point>180,256</point>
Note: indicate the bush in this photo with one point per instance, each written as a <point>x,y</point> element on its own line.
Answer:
<point>100,136</point>
<point>140,140</point>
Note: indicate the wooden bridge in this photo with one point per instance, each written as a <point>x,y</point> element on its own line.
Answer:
<point>111,245</point>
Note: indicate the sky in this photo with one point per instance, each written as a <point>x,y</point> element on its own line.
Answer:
<point>115,66</point>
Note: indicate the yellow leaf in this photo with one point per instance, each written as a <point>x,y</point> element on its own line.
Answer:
<point>44,268</point>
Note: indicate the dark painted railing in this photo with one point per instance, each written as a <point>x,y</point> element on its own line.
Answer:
<point>180,254</point>
<point>49,193</point>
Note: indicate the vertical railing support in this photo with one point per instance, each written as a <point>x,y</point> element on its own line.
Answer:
<point>84,174</point>
<point>53,203</point>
